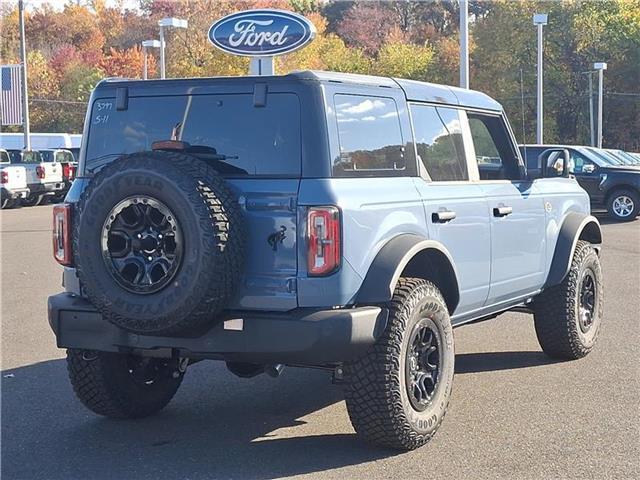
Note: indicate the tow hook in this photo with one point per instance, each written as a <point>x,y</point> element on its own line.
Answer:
<point>182,367</point>
<point>338,375</point>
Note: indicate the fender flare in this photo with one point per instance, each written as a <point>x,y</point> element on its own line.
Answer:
<point>576,226</point>
<point>419,254</point>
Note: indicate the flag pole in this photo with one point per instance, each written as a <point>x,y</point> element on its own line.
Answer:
<point>23,71</point>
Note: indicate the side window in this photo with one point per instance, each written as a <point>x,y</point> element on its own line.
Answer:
<point>580,163</point>
<point>439,142</point>
<point>494,151</point>
<point>369,136</point>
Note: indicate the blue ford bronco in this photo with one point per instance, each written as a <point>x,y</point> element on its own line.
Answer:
<point>314,219</point>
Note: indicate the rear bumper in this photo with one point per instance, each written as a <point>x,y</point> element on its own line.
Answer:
<point>47,188</point>
<point>14,193</point>
<point>303,336</point>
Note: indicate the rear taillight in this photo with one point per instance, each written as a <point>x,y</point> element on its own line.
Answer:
<point>4,177</point>
<point>323,237</point>
<point>62,234</point>
<point>40,172</point>
<point>68,171</point>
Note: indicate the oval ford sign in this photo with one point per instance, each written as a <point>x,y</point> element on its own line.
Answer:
<point>261,33</point>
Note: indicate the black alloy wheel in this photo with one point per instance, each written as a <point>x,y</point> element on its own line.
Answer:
<point>423,364</point>
<point>142,244</point>
<point>587,301</point>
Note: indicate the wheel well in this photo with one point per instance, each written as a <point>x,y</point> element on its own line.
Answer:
<point>616,189</point>
<point>591,233</point>
<point>433,265</point>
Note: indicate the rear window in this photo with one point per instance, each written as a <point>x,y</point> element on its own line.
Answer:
<point>370,137</point>
<point>248,140</point>
<point>62,156</point>
<point>18,156</point>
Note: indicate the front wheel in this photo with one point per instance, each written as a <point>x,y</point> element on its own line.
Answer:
<point>119,385</point>
<point>623,205</point>
<point>398,392</point>
<point>567,317</point>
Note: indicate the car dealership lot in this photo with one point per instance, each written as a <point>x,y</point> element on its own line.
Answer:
<point>514,413</point>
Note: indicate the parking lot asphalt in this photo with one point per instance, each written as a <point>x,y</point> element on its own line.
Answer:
<point>514,414</point>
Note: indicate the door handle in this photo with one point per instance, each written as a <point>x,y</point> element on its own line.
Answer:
<point>443,216</point>
<point>502,211</point>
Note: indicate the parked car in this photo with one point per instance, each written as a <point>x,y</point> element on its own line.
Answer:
<point>609,183</point>
<point>65,159</point>
<point>314,219</point>
<point>44,178</point>
<point>13,181</point>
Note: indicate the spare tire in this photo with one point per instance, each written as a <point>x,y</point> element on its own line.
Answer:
<point>158,243</point>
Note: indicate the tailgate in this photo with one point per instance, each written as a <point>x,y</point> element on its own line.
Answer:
<point>52,172</point>
<point>17,177</point>
<point>269,278</point>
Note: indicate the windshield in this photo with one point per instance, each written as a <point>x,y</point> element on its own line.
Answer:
<point>605,157</point>
<point>629,159</point>
<point>229,130</point>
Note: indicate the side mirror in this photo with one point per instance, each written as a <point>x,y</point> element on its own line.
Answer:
<point>588,168</point>
<point>555,162</point>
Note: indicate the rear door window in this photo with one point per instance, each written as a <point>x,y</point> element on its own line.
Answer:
<point>253,140</point>
<point>439,142</point>
<point>370,137</point>
<point>496,157</point>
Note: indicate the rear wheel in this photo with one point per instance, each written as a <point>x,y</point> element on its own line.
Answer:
<point>623,205</point>
<point>33,200</point>
<point>398,392</point>
<point>567,317</point>
<point>121,385</point>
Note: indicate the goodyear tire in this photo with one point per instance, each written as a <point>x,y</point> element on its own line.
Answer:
<point>121,385</point>
<point>158,243</point>
<point>568,316</point>
<point>397,393</point>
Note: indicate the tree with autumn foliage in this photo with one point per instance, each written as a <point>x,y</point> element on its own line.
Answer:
<point>74,45</point>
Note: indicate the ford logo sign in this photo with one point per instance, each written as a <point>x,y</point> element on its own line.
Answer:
<point>261,33</point>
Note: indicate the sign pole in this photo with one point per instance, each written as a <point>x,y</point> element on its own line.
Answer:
<point>23,71</point>
<point>261,66</point>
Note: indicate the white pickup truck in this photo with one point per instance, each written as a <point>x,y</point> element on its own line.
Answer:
<point>44,178</point>
<point>13,181</point>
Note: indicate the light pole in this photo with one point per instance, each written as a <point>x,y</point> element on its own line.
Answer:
<point>539,19</point>
<point>148,44</point>
<point>600,67</point>
<point>23,73</point>
<point>592,134</point>
<point>167,22</point>
<point>464,44</point>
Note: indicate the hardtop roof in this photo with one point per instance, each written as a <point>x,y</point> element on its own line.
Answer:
<point>414,90</point>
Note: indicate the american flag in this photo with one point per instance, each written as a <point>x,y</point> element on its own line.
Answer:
<point>11,102</point>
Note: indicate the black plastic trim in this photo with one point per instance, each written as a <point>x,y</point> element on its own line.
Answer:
<point>301,336</point>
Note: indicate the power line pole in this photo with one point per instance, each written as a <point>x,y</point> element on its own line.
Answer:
<point>23,71</point>
<point>464,43</point>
